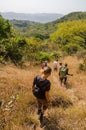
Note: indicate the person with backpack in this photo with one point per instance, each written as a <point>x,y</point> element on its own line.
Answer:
<point>44,64</point>
<point>40,88</point>
<point>63,72</point>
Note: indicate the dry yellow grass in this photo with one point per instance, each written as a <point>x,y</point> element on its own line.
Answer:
<point>20,107</point>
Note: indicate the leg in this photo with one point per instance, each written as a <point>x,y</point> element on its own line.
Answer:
<point>45,106</point>
<point>61,80</point>
<point>42,106</point>
<point>65,80</point>
<point>39,105</point>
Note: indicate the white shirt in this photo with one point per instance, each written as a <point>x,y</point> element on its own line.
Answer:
<point>55,63</point>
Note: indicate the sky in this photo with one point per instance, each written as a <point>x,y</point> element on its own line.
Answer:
<point>42,6</point>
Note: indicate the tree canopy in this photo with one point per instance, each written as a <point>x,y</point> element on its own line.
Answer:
<point>70,32</point>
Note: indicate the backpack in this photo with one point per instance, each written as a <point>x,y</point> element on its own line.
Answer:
<point>37,90</point>
<point>43,65</point>
<point>63,71</point>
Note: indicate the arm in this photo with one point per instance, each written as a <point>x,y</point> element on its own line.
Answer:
<point>68,72</point>
<point>47,96</point>
<point>34,82</point>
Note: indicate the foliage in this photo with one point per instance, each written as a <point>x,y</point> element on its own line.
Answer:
<point>5,28</point>
<point>12,49</point>
<point>43,31</point>
<point>56,55</point>
<point>82,55</point>
<point>36,47</point>
<point>71,32</point>
<point>72,16</point>
<point>82,66</point>
<point>71,48</point>
<point>31,29</point>
<point>44,56</point>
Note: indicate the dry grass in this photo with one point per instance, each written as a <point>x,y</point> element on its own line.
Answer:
<point>68,105</point>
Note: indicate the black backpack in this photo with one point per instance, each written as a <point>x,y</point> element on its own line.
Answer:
<point>37,92</point>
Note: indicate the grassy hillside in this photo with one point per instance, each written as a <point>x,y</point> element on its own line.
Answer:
<point>67,110</point>
<point>18,107</point>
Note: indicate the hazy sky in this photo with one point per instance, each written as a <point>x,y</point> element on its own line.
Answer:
<point>42,6</point>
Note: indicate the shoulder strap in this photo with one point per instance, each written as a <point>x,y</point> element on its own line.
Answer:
<point>37,81</point>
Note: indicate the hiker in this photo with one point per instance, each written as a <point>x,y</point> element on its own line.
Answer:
<point>44,64</point>
<point>55,64</point>
<point>63,72</point>
<point>40,88</point>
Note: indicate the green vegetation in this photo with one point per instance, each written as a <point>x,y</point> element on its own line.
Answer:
<point>72,16</point>
<point>43,31</point>
<point>29,29</point>
<point>72,34</point>
<point>5,28</point>
<point>42,42</point>
<point>29,41</point>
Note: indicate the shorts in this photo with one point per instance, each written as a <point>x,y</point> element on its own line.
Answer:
<point>42,104</point>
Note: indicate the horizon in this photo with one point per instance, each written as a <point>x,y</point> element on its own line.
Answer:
<point>30,13</point>
<point>40,12</point>
<point>43,6</point>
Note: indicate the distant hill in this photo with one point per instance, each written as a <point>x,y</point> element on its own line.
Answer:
<point>38,17</point>
<point>71,16</point>
<point>27,28</point>
<point>0,16</point>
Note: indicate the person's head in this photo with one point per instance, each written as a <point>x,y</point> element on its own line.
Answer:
<point>46,71</point>
<point>45,61</point>
<point>60,63</point>
<point>66,64</point>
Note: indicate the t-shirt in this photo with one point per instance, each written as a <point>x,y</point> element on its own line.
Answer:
<point>55,63</point>
<point>43,84</point>
<point>63,71</point>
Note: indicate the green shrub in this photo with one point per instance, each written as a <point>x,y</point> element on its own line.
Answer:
<point>82,66</point>
<point>56,55</point>
<point>71,48</point>
<point>44,56</point>
<point>5,28</point>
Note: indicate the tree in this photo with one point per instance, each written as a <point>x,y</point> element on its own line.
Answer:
<point>70,31</point>
<point>5,28</point>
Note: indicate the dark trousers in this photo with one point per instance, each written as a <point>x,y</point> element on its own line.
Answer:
<point>63,80</point>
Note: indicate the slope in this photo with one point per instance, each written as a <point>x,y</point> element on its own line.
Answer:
<point>68,105</point>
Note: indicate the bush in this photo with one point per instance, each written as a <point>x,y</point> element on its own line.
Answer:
<point>5,28</point>
<point>13,51</point>
<point>56,55</point>
<point>82,66</point>
<point>45,56</point>
<point>71,48</point>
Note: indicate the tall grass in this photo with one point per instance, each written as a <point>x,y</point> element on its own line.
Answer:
<point>67,110</point>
